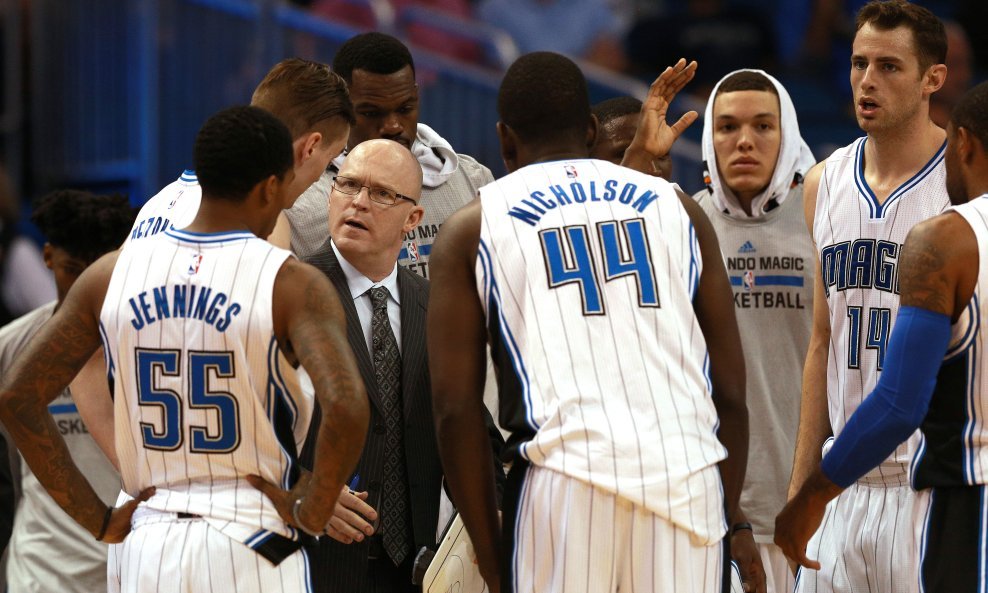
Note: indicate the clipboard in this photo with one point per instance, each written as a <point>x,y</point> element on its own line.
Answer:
<point>454,568</point>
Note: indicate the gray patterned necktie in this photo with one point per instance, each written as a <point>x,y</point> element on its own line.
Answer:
<point>395,520</point>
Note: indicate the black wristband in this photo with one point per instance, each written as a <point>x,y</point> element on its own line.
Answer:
<point>739,526</point>
<point>106,523</point>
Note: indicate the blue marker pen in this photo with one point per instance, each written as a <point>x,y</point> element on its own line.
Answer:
<point>353,482</point>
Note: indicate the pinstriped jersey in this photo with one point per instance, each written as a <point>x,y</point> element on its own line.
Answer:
<point>859,242</point>
<point>587,272</point>
<point>202,393</point>
<point>953,450</point>
<point>175,205</point>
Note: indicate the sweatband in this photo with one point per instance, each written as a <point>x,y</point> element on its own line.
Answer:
<point>900,400</point>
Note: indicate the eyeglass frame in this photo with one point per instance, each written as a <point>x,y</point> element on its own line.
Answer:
<point>370,192</point>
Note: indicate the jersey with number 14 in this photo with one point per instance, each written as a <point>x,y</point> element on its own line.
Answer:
<point>587,273</point>
<point>860,242</point>
<point>202,394</point>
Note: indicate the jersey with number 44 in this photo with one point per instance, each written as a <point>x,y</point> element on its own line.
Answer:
<point>587,273</point>
<point>860,242</point>
<point>202,394</point>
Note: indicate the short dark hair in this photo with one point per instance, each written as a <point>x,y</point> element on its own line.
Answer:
<point>84,224</point>
<point>239,147</point>
<point>303,94</point>
<point>747,81</point>
<point>971,113</point>
<point>374,52</point>
<point>616,107</point>
<point>544,96</point>
<point>929,35</point>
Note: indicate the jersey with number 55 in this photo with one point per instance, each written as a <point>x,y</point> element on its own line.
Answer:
<point>202,394</point>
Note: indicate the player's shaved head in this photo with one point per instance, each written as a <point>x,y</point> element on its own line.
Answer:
<point>373,52</point>
<point>239,147</point>
<point>971,113</point>
<point>543,97</point>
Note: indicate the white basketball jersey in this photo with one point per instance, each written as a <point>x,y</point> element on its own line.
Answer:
<point>175,205</point>
<point>859,241</point>
<point>953,450</point>
<point>587,272</point>
<point>202,394</point>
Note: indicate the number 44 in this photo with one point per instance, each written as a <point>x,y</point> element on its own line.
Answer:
<point>624,248</point>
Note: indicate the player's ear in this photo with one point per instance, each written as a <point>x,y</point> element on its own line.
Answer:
<point>966,144</point>
<point>509,146</point>
<point>935,77</point>
<point>592,127</point>
<point>305,145</point>
<point>48,253</point>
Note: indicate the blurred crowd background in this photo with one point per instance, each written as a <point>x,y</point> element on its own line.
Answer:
<point>107,95</point>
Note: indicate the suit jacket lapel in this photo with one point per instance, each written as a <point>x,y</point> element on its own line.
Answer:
<point>325,260</point>
<point>413,352</point>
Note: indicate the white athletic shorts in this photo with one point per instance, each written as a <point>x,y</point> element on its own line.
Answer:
<point>570,537</point>
<point>868,542</point>
<point>165,554</point>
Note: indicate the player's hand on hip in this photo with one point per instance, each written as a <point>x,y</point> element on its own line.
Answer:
<point>283,500</point>
<point>119,525</point>
<point>794,527</point>
<point>654,136</point>
<point>745,553</point>
<point>353,519</point>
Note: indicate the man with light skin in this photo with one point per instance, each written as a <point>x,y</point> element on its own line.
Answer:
<point>859,206</point>
<point>390,505</point>
<point>756,160</point>
<point>934,379</point>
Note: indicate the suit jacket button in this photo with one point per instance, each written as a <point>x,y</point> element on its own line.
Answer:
<point>379,428</point>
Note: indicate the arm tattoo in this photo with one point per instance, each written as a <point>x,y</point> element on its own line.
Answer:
<point>42,372</point>
<point>318,335</point>
<point>922,276</point>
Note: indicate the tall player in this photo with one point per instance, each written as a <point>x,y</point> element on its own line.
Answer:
<point>308,98</point>
<point>860,203</point>
<point>934,379</point>
<point>202,328</point>
<point>611,324</point>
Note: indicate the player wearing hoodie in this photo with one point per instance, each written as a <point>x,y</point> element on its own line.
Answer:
<point>755,162</point>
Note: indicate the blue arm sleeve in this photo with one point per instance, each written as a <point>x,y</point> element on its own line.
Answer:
<point>897,406</point>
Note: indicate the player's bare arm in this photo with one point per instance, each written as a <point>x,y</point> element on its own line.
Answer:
<point>456,343</point>
<point>938,270</point>
<point>654,137</point>
<point>91,395</point>
<point>47,366</point>
<point>939,265</point>
<point>814,418</point>
<point>311,328</point>
<point>714,306</point>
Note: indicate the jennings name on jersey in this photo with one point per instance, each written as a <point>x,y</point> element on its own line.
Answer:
<point>202,393</point>
<point>587,272</point>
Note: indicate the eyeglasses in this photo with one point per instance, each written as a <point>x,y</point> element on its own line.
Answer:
<point>381,195</point>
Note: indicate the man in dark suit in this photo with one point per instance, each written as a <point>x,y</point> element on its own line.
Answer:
<point>390,508</point>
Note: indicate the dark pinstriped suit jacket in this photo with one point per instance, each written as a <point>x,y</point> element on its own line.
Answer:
<point>343,567</point>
